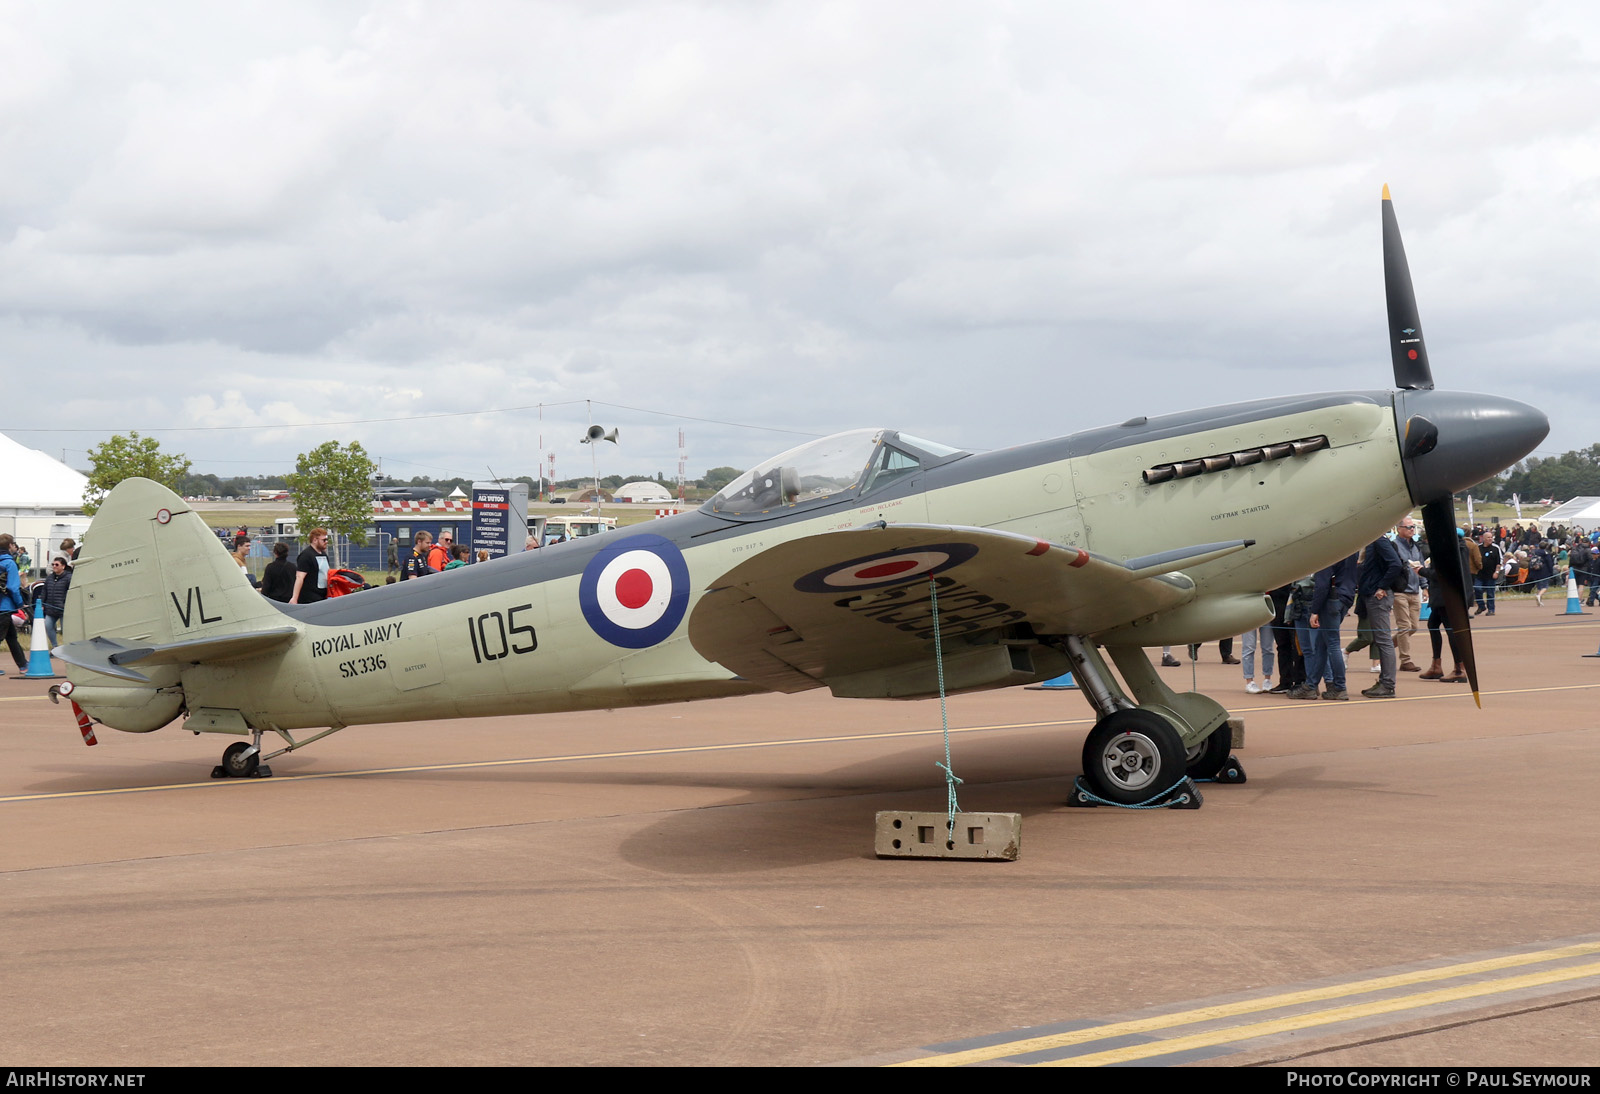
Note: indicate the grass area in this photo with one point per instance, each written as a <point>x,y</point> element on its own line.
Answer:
<point>1484,513</point>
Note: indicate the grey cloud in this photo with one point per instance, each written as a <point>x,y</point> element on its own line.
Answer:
<point>980,224</point>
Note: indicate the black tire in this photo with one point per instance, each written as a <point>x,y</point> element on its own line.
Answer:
<point>1210,756</point>
<point>237,764</point>
<point>1132,756</point>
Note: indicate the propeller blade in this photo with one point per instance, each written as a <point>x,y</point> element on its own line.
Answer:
<point>1405,329</point>
<point>1448,588</point>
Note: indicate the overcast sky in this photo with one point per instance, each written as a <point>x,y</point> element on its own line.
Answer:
<point>982,223</point>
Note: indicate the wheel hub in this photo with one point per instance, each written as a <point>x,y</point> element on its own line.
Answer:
<point>1133,761</point>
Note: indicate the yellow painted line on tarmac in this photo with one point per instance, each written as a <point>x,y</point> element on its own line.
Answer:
<point>22,698</point>
<point>1271,1002</point>
<point>1327,1017</point>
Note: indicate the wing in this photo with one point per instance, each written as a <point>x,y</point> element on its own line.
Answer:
<point>853,610</point>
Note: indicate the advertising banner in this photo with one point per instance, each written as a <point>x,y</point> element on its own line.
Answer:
<point>499,518</point>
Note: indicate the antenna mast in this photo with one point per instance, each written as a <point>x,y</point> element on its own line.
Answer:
<point>594,463</point>
<point>683,467</point>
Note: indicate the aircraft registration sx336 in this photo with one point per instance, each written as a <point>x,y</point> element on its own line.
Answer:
<point>814,570</point>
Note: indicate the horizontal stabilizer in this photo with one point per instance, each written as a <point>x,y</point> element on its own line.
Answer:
<point>108,656</point>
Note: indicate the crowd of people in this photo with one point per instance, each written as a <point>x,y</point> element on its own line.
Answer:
<point>313,577</point>
<point>309,578</point>
<point>1386,584</point>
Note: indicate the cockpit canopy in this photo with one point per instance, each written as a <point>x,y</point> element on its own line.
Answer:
<point>843,466</point>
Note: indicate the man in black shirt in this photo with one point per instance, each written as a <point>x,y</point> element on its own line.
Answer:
<point>277,580</point>
<point>311,580</point>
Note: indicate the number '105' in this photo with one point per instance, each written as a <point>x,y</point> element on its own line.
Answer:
<point>495,636</point>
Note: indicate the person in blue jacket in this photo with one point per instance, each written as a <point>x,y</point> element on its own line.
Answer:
<point>1333,591</point>
<point>10,599</point>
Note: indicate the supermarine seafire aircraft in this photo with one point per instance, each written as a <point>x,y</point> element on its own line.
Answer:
<point>818,569</point>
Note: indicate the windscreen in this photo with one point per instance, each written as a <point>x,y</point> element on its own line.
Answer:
<point>815,470</point>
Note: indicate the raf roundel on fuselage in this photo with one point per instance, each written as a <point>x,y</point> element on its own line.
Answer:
<point>634,592</point>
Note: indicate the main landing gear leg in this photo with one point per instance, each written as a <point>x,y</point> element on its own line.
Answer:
<point>1093,678</point>
<point>1200,719</point>
<point>1132,755</point>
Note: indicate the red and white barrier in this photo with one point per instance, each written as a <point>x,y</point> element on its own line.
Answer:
<point>453,506</point>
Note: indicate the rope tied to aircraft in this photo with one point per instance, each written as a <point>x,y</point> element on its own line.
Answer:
<point>950,779</point>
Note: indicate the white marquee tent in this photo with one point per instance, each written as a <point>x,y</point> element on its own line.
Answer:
<point>41,501</point>
<point>34,484</point>
<point>1581,511</point>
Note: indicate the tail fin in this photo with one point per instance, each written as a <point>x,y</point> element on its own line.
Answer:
<point>152,572</point>
<point>152,575</point>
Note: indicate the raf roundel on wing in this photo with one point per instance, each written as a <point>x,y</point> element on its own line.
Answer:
<point>889,568</point>
<point>634,592</point>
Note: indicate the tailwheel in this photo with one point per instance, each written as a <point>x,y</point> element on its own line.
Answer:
<point>1207,758</point>
<point>1132,756</point>
<point>239,761</point>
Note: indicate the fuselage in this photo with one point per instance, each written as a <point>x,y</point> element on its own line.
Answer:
<point>527,633</point>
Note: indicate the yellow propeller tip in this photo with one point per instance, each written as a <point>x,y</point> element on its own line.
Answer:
<point>1386,191</point>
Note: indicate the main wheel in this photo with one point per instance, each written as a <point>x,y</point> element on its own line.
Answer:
<point>1208,757</point>
<point>1132,756</point>
<point>240,761</point>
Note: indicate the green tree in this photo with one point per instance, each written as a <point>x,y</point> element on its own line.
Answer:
<point>199,485</point>
<point>1572,474</point>
<point>332,489</point>
<point>126,457</point>
<point>718,477</point>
